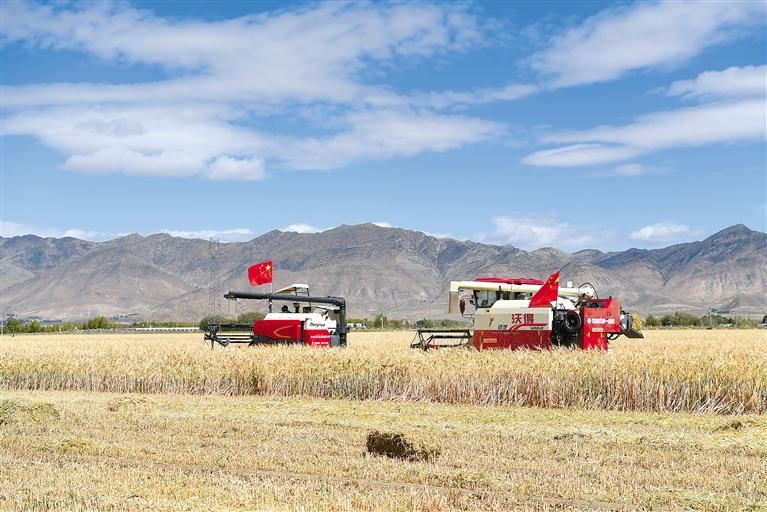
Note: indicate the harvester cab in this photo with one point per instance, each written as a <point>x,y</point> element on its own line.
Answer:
<point>532,314</point>
<point>313,321</point>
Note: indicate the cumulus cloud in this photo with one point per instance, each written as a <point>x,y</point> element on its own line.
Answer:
<point>384,134</point>
<point>10,229</point>
<point>228,168</point>
<point>725,122</point>
<point>306,54</point>
<point>655,35</point>
<point>479,96</point>
<point>167,140</point>
<point>705,124</point>
<point>643,35</point>
<point>544,230</point>
<point>224,235</point>
<point>662,232</point>
<point>733,81</point>
<point>439,235</point>
<point>225,73</point>
<point>302,227</point>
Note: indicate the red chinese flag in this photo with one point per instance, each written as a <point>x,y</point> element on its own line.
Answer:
<point>260,273</point>
<point>547,293</point>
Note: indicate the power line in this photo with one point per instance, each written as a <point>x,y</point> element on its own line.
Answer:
<point>214,251</point>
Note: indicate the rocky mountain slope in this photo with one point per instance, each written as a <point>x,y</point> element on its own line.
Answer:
<point>400,272</point>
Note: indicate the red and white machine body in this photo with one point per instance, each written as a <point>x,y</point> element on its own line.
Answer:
<point>313,329</point>
<point>302,319</point>
<point>307,325</point>
<point>531,314</point>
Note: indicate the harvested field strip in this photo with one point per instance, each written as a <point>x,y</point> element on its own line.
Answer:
<point>245,453</point>
<point>673,371</point>
<point>506,498</point>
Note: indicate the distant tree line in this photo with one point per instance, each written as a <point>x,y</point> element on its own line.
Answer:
<point>688,320</point>
<point>243,318</point>
<point>14,325</point>
<point>382,321</point>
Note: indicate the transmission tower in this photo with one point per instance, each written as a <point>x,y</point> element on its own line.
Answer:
<point>214,250</point>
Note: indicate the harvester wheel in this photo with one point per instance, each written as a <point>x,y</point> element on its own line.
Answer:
<point>572,322</point>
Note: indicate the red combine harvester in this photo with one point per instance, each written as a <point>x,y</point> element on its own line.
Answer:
<point>304,320</point>
<point>530,314</point>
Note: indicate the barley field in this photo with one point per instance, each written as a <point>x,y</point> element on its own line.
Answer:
<point>720,371</point>
<point>77,451</point>
<point>133,422</point>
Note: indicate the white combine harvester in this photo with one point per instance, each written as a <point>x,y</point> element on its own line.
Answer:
<point>302,319</point>
<point>528,313</point>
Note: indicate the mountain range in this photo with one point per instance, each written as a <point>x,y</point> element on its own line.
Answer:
<point>402,273</point>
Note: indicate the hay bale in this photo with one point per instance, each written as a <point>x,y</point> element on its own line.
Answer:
<point>396,446</point>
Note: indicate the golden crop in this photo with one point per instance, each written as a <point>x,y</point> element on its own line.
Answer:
<point>694,371</point>
<point>89,452</point>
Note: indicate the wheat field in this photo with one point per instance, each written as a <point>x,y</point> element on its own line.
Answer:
<point>720,371</point>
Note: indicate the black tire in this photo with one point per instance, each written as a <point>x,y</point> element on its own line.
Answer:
<point>572,323</point>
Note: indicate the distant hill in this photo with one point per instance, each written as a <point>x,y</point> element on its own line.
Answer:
<point>403,273</point>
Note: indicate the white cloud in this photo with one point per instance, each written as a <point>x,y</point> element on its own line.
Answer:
<point>383,134</point>
<point>10,229</point>
<point>529,231</point>
<point>482,96</point>
<point>625,170</point>
<point>580,154</point>
<point>733,81</point>
<point>224,235</point>
<point>302,228</point>
<point>170,140</point>
<point>628,170</point>
<point>306,54</point>
<point>726,122</point>
<point>228,72</point>
<point>228,168</point>
<point>643,35</point>
<point>705,124</point>
<point>662,232</point>
<point>439,235</point>
<point>382,224</point>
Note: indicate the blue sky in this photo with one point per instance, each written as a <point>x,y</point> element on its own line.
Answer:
<point>574,125</point>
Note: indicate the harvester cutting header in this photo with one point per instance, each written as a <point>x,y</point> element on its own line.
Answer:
<point>528,313</point>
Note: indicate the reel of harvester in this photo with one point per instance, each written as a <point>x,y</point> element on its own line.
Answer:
<point>427,339</point>
<point>224,334</point>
